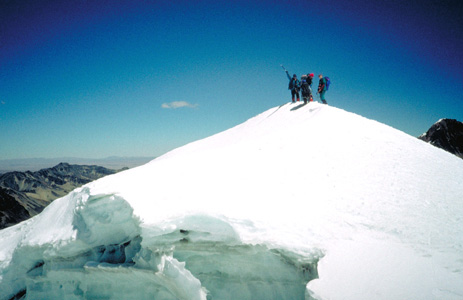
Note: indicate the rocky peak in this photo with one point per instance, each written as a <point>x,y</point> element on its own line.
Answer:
<point>446,134</point>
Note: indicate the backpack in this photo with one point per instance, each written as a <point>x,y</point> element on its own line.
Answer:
<point>327,82</point>
<point>305,87</point>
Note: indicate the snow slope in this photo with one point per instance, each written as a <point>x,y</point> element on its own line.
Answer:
<point>299,202</point>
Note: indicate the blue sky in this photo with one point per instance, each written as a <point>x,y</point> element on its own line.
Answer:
<point>105,78</point>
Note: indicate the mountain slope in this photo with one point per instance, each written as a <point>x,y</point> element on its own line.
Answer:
<point>446,134</point>
<point>33,191</point>
<point>299,202</point>
<point>11,212</point>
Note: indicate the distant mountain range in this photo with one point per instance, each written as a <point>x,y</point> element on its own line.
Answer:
<point>446,134</point>
<point>35,164</point>
<point>25,194</point>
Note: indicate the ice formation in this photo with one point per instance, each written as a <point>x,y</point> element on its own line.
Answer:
<point>299,202</point>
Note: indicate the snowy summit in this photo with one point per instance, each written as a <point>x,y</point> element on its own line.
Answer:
<point>299,202</point>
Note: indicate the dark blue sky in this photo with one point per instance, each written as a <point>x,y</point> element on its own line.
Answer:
<point>138,78</point>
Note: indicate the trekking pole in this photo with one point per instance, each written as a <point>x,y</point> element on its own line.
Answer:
<point>284,68</point>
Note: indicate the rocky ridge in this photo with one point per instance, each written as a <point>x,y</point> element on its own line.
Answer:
<point>446,134</point>
<point>25,194</point>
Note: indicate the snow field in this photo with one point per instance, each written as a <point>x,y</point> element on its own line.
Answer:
<point>299,202</point>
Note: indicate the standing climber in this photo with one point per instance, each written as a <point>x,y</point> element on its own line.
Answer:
<point>322,88</point>
<point>294,85</point>
<point>306,91</point>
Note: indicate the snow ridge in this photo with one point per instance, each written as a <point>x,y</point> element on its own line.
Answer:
<point>299,202</point>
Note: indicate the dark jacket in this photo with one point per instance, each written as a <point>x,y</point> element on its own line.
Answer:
<point>293,83</point>
<point>309,80</point>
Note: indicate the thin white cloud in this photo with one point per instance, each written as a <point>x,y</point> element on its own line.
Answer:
<point>2,102</point>
<point>178,104</point>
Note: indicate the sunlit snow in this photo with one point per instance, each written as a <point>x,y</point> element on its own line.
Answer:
<point>299,202</point>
